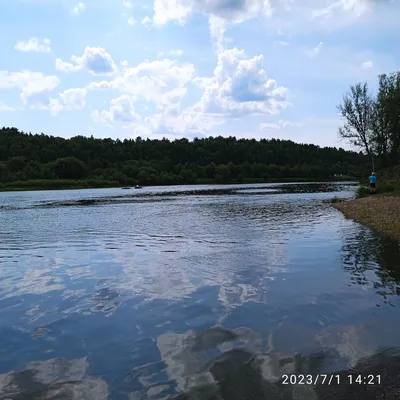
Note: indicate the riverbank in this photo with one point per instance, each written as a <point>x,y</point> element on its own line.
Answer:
<point>379,212</point>
<point>65,184</point>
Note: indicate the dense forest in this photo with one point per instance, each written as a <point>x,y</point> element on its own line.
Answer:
<point>27,157</point>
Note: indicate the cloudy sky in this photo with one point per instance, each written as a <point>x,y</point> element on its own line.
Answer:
<point>186,68</point>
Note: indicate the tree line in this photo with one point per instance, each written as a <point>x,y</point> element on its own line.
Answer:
<point>26,156</point>
<point>372,121</point>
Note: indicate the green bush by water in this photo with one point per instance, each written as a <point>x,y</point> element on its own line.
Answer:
<point>382,187</point>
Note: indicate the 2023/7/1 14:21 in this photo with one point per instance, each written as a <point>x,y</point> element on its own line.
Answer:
<point>331,379</point>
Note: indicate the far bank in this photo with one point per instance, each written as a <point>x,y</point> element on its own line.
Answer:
<point>66,184</point>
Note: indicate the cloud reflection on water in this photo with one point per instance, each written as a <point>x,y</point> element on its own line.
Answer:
<point>53,379</point>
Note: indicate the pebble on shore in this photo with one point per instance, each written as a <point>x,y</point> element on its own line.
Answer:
<point>381,213</point>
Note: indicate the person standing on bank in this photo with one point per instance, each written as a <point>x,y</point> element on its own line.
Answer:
<point>372,182</point>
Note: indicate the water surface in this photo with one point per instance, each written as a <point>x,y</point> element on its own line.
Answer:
<point>209,292</point>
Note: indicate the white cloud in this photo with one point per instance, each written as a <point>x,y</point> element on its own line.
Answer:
<point>131,21</point>
<point>36,88</point>
<point>170,10</point>
<point>232,10</point>
<point>79,8</point>
<point>217,30</point>
<point>54,107</point>
<point>276,126</point>
<point>367,64</point>
<point>74,98</point>
<point>150,79</point>
<point>356,7</point>
<point>315,50</point>
<point>127,4</point>
<point>146,20</point>
<point>122,110</point>
<point>64,66</point>
<point>161,82</point>
<point>95,59</point>
<point>34,44</point>
<point>202,82</point>
<point>241,86</point>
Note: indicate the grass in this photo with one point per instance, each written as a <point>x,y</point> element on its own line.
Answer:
<point>336,200</point>
<point>388,187</point>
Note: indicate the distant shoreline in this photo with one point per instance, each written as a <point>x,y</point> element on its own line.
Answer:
<point>379,212</point>
<point>57,184</point>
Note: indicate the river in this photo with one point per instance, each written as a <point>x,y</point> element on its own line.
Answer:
<point>208,292</point>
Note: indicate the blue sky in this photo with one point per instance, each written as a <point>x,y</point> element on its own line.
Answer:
<point>187,68</point>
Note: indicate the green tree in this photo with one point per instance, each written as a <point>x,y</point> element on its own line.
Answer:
<point>3,172</point>
<point>16,164</point>
<point>70,168</point>
<point>151,162</point>
<point>357,109</point>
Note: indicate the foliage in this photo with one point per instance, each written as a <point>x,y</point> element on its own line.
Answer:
<point>27,157</point>
<point>357,110</point>
<point>373,123</point>
<point>362,191</point>
<point>52,184</point>
<point>336,199</point>
<point>384,187</point>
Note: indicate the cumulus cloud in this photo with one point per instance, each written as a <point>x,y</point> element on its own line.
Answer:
<point>150,79</point>
<point>232,10</point>
<point>54,107</point>
<point>94,59</point>
<point>79,8</point>
<point>202,81</point>
<point>74,99</point>
<point>241,86</point>
<point>131,21</point>
<point>34,44</point>
<point>36,88</point>
<point>367,64</point>
<point>217,30</point>
<point>161,82</point>
<point>170,10</point>
<point>122,110</point>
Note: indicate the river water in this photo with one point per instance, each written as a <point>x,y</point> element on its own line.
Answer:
<point>197,292</point>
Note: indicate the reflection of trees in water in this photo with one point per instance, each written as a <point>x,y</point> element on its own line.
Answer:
<point>222,364</point>
<point>367,256</point>
<point>54,379</point>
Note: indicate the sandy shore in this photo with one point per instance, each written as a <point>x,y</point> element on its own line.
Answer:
<point>381,213</point>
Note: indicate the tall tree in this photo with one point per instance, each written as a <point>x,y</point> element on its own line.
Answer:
<point>393,111</point>
<point>386,121</point>
<point>358,111</point>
